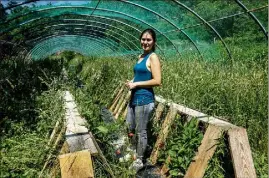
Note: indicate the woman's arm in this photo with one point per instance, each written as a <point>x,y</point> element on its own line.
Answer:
<point>155,67</point>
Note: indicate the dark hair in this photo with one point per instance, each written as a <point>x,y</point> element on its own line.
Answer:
<point>152,33</point>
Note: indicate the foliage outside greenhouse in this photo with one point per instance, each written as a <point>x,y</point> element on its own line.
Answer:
<point>97,44</point>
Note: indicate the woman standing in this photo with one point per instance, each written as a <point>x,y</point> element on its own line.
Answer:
<point>147,74</point>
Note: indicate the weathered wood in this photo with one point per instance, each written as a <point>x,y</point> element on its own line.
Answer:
<point>158,112</point>
<point>59,137</point>
<point>116,91</point>
<point>115,101</point>
<point>55,129</point>
<point>125,111</point>
<point>241,153</point>
<point>163,133</point>
<point>76,165</point>
<point>125,101</point>
<point>122,97</point>
<point>107,167</point>
<point>81,141</point>
<point>198,115</point>
<point>56,165</point>
<point>205,152</point>
<point>165,168</point>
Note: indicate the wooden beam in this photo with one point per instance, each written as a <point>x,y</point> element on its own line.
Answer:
<point>241,153</point>
<point>205,152</point>
<point>77,164</point>
<point>163,133</point>
<point>198,115</point>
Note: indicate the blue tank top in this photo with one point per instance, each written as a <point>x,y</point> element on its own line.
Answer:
<point>142,96</point>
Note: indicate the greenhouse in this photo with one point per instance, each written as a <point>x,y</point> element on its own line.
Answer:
<point>65,60</point>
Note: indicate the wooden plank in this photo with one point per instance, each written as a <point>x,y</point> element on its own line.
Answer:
<point>115,101</point>
<point>122,97</point>
<point>125,101</point>
<point>205,152</point>
<point>76,165</point>
<point>163,133</point>
<point>241,153</point>
<point>198,115</point>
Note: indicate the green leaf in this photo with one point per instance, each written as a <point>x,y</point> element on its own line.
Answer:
<point>103,129</point>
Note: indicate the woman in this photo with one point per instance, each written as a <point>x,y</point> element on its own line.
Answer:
<point>147,74</point>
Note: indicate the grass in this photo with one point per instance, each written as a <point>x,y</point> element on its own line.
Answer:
<point>235,91</point>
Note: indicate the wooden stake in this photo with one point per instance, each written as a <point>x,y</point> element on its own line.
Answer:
<point>125,101</point>
<point>116,98</point>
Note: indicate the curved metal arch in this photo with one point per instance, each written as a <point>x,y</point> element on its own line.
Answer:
<point>113,38</point>
<point>101,17</point>
<point>206,23</point>
<point>167,20</point>
<point>55,36</point>
<point>101,9</point>
<point>253,17</point>
<point>82,20</point>
<point>91,29</point>
<point>61,33</point>
<point>60,46</point>
<point>95,39</point>
<point>58,34</point>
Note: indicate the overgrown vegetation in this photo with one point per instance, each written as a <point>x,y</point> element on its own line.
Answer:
<point>235,91</point>
<point>31,103</point>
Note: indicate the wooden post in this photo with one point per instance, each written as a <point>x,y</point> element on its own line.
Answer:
<point>241,153</point>
<point>116,98</point>
<point>158,112</point>
<point>205,152</point>
<point>124,94</point>
<point>76,165</point>
<point>116,90</point>
<point>163,133</point>
<point>126,99</point>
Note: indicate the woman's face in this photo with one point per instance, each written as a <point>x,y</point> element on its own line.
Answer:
<point>147,42</point>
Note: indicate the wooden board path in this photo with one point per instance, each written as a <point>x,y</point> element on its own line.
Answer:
<point>76,165</point>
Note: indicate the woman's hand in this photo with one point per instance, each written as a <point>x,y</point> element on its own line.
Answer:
<point>130,84</point>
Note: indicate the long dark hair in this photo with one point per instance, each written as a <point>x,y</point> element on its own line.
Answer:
<point>153,34</point>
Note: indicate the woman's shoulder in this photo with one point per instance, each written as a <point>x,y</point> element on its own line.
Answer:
<point>154,56</point>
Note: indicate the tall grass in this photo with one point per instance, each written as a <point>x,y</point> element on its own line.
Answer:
<point>235,91</point>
